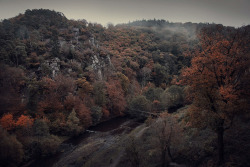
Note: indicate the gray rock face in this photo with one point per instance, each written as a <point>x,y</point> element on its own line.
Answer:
<point>93,42</point>
<point>99,64</point>
<point>76,34</point>
<point>54,65</point>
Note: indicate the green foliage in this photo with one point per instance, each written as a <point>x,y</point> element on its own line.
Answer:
<point>35,18</point>
<point>55,44</point>
<point>34,93</point>
<point>159,74</point>
<point>20,54</point>
<point>144,76</point>
<point>73,124</point>
<point>153,93</point>
<point>35,37</point>
<point>173,97</point>
<point>96,113</point>
<point>131,57</point>
<point>42,146</point>
<point>100,95</point>
<point>133,153</point>
<point>11,84</point>
<point>58,127</point>
<point>138,106</point>
<point>40,128</point>
<point>45,69</point>
<point>49,145</point>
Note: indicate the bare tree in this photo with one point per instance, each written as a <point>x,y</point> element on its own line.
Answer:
<point>167,132</point>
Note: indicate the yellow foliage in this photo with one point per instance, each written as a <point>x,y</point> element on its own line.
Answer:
<point>84,85</point>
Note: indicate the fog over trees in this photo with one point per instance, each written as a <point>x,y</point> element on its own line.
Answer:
<point>186,85</point>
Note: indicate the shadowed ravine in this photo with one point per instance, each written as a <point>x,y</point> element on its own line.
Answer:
<point>79,150</point>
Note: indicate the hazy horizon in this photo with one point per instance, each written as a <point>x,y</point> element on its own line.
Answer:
<point>227,12</point>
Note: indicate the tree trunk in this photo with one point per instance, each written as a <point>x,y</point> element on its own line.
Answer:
<point>220,142</point>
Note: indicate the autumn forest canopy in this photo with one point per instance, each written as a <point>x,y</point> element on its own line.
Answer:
<point>186,81</point>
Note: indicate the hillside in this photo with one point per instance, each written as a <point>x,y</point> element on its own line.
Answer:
<point>58,77</point>
<point>42,46</point>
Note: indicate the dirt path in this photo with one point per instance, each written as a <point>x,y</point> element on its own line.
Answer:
<point>101,148</point>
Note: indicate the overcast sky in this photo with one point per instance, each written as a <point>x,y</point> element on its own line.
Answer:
<point>227,12</point>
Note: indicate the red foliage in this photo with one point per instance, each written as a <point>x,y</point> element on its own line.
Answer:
<point>69,102</point>
<point>74,102</point>
<point>50,104</point>
<point>24,121</point>
<point>7,121</point>
<point>64,85</point>
<point>130,73</point>
<point>48,84</point>
<point>54,92</point>
<point>116,96</point>
<point>84,115</point>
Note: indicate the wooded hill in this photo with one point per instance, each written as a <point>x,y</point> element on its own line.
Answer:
<point>60,76</point>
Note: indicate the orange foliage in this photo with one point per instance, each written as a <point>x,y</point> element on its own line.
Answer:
<point>24,121</point>
<point>7,121</point>
<point>215,75</point>
<point>216,80</point>
<point>84,85</point>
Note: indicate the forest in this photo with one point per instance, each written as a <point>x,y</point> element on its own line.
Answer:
<point>187,83</point>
